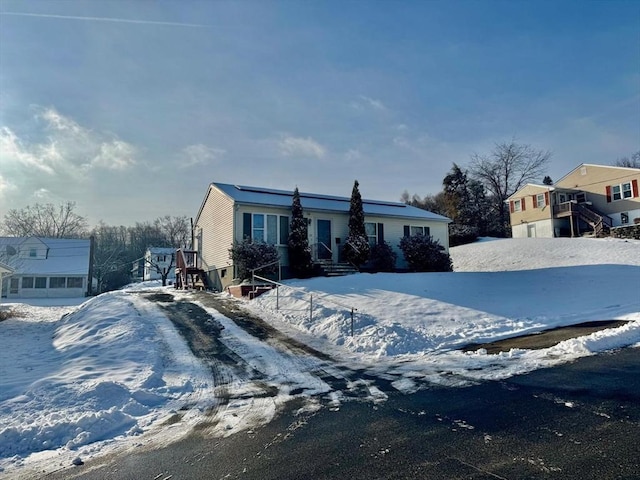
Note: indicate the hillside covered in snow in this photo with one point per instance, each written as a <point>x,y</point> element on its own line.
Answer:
<point>77,381</point>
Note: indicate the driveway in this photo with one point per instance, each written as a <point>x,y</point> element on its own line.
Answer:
<point>576,421</point>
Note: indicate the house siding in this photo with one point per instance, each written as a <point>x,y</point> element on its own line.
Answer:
<point>540,228</point>
<point>49,292</point>
<point>594,180</point>
<point>530,213</point>
<point>223,220</point>
<point>51,264</point>
<point>214,236</point>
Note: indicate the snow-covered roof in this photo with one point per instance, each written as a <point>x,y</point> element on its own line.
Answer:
<point>161,250</point>
<point>5,268</point>
<point>312,201</point>
<point>64,256</point>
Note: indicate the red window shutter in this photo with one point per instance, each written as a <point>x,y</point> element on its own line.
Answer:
<point>535,201</point>
<point>511,209</point>
<point>522,202</point>
<point>608,189</point>
<point>634,188</point>
<point>546,198</point>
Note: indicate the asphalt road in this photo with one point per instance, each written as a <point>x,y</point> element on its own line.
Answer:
<point>576,421</point>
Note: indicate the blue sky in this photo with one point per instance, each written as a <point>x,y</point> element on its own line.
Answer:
<point>131,109</point>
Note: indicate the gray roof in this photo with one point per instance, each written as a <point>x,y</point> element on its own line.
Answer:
<point>65,256</point>
<point>312,201</point>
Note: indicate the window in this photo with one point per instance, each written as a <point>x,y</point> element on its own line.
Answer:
<point>27,282</point>
<point>621,191</point>
<point>57,282</point>
<point>517,206</point>
<point>284,230</point>
<point>41,282</point>
<point>419,230</point>
<point>624,220</point>
<point>74,282</point>
<point>372,232</point>
<point>272,229</point>
<point>540,200</point>
<point>581,197</point>
<point>257,232</point>
<point>33,252</point>
<point>161,258</point>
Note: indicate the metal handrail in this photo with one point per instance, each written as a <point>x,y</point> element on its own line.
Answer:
<point>278,284</point>
<point>328,249</point>
<point>254,270</point>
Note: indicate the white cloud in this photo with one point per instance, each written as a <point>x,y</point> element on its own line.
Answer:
<point>115,155</point>
<point>42,193</point>
<point>200,154</point>
<point>353,154</point>
<point>56,121</point>
<point>66,148</point>
<point>303,147</point>
<point>363,102</point>
<point>5,186</point>
<point>13,151</point>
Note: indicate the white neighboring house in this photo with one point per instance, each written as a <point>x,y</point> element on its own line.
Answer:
<point>45,267</point>
<point>159,260</point>
<point>230,213</point>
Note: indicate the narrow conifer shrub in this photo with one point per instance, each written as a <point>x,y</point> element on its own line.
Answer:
<point>356,246</point>
<point>300,261</point>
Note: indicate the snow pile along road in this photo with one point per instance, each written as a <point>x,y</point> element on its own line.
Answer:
<point>109,370</point>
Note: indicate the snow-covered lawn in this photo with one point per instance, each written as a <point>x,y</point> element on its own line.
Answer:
<point>76,381</point>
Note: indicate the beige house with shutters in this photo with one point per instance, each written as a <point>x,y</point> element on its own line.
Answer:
<point>230,213</point>
<point>590,199</point>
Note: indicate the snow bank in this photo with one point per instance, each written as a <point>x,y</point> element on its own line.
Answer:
<point>501,289</point>
<point>112,368</point>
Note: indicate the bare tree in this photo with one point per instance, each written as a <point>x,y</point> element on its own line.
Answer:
<point>45,221</point>
<point>633,162</point>
<point>505,170</point>
<point>176,230</point>
<point>161,270</point>
<point>112,261</point>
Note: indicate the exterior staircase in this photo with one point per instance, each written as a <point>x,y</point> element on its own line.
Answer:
<point>189,275</point>
<point>600,223</point>
<point>330,269</point>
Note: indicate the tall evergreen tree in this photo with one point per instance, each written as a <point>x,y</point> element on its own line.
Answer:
<point>356,248</point>
<point>456,191</point>
<point>299,251</point>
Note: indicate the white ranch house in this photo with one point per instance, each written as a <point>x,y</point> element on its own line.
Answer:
<point>230,213</point>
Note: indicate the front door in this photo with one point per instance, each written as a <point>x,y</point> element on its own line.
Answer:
<point>324,239</point>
